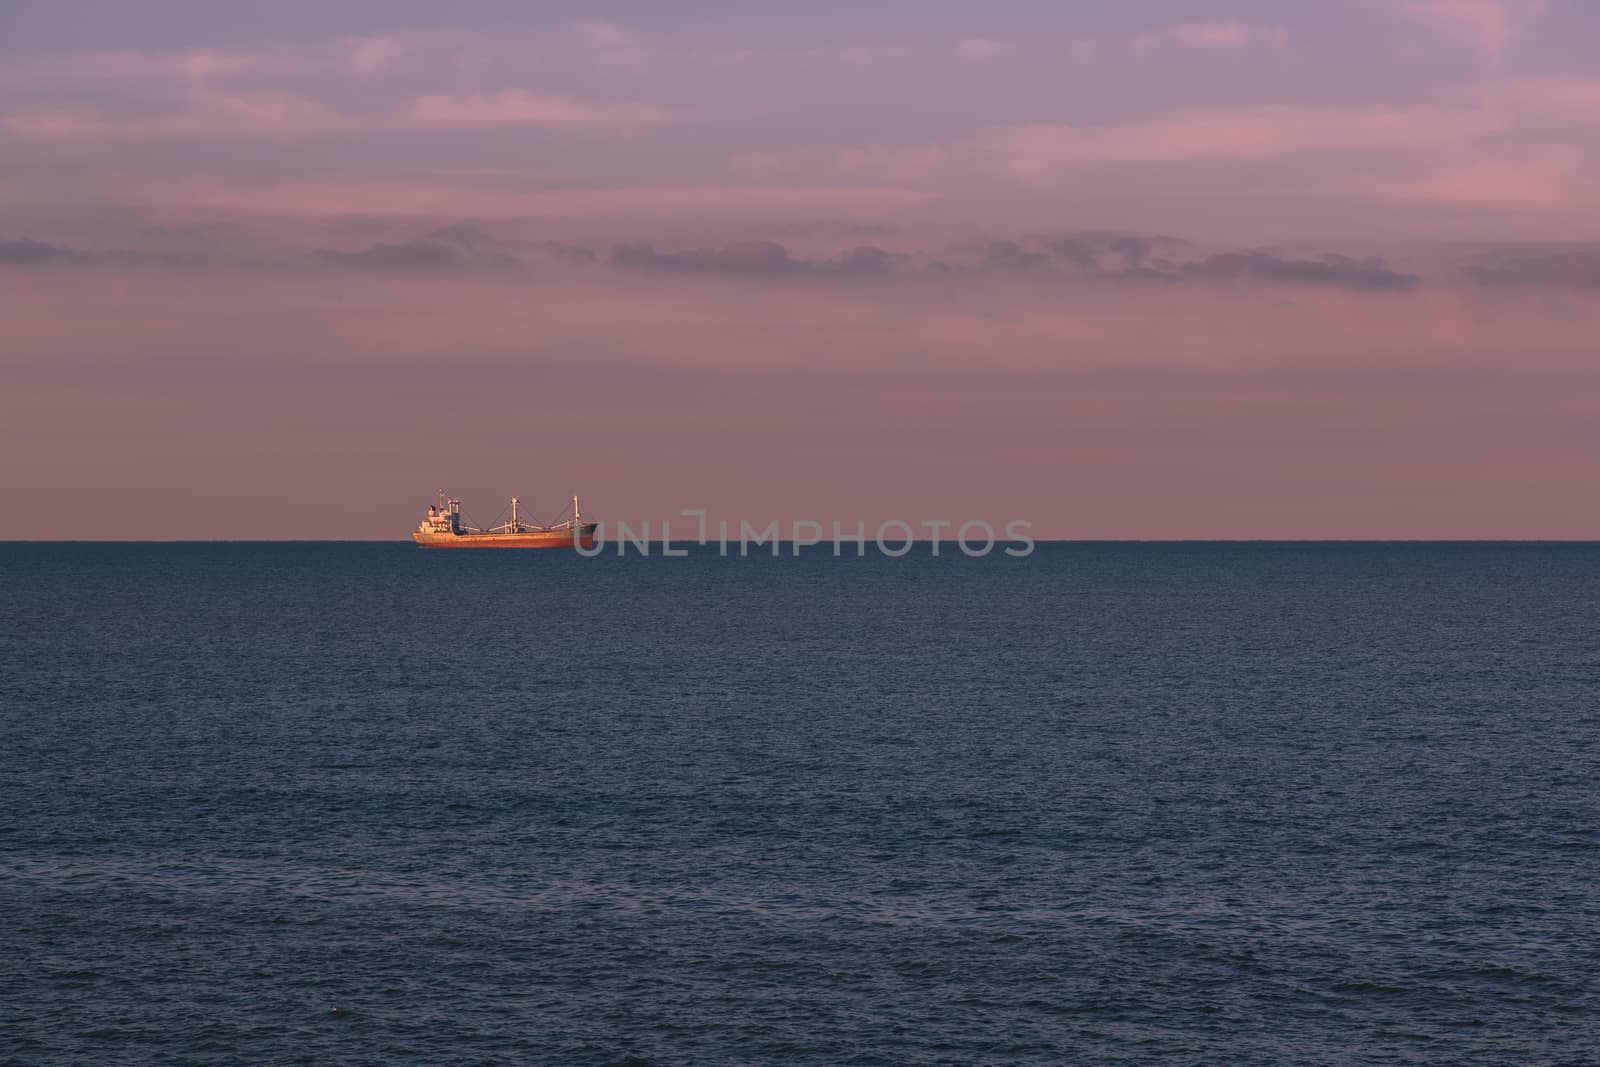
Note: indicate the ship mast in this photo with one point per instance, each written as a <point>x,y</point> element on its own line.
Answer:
<point>514,527</point>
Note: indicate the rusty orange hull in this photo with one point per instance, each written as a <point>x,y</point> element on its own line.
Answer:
<point>527,539</point>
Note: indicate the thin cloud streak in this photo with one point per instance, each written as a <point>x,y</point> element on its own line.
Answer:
<point>1576,269</point>
<point>1036,152</point>
<point>356,57</point>
<point>403,91</point>
<point>519,107</point>
<point>445,200</point>
<point>1092,256</point>
<point>1213,35</point>
<point>1486,26</point>
<point>203,115</point>
<point>1553,182</point>
<point>278,115</point>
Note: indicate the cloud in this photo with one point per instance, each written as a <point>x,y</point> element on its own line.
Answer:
<point>1036,152</point>
<point>1370,274</point>
<point>758,259</point>
<point>26,253</point>
<point>1111,256</point>
<point>906,165</point>
<point>1575,269</point>
<point>1485,26</point>
<point>752,259</point>
<point>899,165</point>
<point>863,261</point>
<point>29,254</point>
<point>1565,97</point>
<point>1070,259</point>
<point>1096,251</point>
<point>575,255</point>
<point>1548,180</point>
<point>358,57</point>
<point>198,114</point>
<point>1088,255</point>
<point>1011,257</point>
<point>208,113</point>
<point>463,235</point>
<point>410,256</point>
<point>977,49</point>
<point>444,199</point>
<point>452,248</point>
<point>519,107</point>
<point>1212,35</point>
<point>613,47</point>
<point>319,202</point>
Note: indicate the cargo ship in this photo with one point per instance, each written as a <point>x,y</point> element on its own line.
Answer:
<point>443,527</point>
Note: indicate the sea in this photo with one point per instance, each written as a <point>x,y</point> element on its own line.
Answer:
<point>1108,803</point>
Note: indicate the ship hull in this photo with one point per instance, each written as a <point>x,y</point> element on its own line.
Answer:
<point>526,539</point>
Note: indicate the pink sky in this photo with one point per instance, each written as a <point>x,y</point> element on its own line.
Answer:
<point>1235,270</point>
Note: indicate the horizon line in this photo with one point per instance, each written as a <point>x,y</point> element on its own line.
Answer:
<point>825,543</point>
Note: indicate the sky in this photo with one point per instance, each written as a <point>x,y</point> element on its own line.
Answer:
<point>1155,270</point>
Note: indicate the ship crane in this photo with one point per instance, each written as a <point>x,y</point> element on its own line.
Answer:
<point>444,527</point>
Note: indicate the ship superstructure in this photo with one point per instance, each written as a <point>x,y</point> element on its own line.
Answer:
<point>444,527</point>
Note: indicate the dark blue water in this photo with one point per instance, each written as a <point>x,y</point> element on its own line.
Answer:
<point>1230,804</point>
